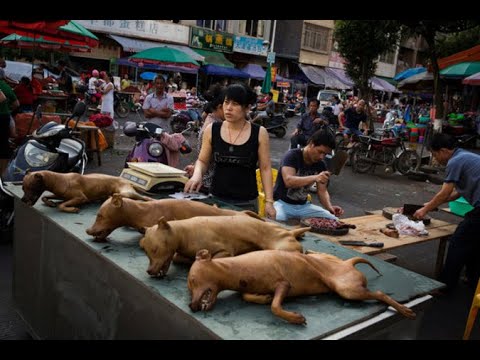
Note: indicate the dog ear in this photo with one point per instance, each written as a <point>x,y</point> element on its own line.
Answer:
<point>203,254</point>
<point>253,214</point>
<point>117,200</point>
<point>163,224</point>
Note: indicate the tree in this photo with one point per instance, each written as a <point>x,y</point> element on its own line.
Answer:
<point>430,30</point>
<point>360,43</point>
<point>454,43</point>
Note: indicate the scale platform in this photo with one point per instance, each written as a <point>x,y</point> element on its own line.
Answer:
<point>154,176</point>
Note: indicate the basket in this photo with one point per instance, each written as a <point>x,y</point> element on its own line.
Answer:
<point>324,231</point>
<point>460,206</point>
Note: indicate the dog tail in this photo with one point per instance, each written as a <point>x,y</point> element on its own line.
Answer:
<point>300,231</point>
<point>358,260</point>
<point>203,255</point>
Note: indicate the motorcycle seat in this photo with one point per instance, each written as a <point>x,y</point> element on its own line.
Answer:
<point>73,148</point>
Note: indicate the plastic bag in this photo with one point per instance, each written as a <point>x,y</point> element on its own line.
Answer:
<point>405,226</point>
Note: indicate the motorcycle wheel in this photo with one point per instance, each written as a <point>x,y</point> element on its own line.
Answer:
<point>122,109</point>
<point>177,125</point>
<point>280,132</point>
<point>408,161</point>
<point>359,159</point>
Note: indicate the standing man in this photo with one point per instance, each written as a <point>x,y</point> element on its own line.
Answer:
<point>300,168</point>
<point>158,106</point>
<point>462,179</point>
<point>64,80</point>
<point>8,101</point>
<point>307,126</point>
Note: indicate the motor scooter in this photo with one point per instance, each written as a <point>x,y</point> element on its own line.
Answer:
<point>275,124</point>
<point>154,146</point>
<point>50,147</point>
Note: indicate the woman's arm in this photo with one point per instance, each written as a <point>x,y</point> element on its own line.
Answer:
<point>201,165</point>
<point>265,166</point>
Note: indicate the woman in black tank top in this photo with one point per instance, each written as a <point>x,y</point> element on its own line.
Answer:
<point>236,146</point>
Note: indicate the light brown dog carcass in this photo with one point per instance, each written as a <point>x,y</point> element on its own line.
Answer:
<point>270,276</point>
<point>118,211</point>
<point>74,189</point>
<point>222,235</point>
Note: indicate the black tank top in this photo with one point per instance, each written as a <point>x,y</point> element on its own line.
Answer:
<point>235,176</point>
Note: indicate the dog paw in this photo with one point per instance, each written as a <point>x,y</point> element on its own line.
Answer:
<point>298,319</point>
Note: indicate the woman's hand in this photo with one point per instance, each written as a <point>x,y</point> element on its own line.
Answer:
<point>193,185</point>
<point>270,211</point>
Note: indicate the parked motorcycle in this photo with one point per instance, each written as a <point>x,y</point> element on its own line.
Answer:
<point>275,124</point>
<point>50,147</point>
<point>153,144</point>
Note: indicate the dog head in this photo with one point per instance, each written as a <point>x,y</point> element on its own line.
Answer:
<point>33,187</point>
<point>160,244</point>
<point>201,284</point>
<point>109,217</point>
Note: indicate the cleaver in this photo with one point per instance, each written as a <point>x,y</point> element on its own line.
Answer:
<point>338,162</point>
<point>409,209</point>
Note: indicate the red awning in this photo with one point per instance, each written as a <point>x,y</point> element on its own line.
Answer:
<point>472,54</point>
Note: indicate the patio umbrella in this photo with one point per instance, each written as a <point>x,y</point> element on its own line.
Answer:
<point>421,81</point>
<point>472,79</point>
<point>148,75</point>
<point>409,72</point>
<point>267,80</point>
<point>18,41</point>
<point>164,56</point>
<point>56,30</point>
<point>460,70</point>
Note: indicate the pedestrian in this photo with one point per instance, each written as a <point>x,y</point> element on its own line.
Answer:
<point>8,102</point>
<point>299,170</point>
<point>106,89</point>
<point>462,179</point>
<point>158,105</point>
<point>236,146</point>
<point>309,123</point>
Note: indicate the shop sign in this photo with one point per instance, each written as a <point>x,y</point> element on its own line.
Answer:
<point>283,84</point>
<point>249,45</point>
<point>206,39</point>
<point>147,29</point>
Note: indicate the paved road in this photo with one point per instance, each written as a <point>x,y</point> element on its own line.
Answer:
<point>356,193</point>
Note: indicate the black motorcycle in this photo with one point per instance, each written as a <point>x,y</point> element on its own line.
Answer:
<point>50,147</point>
<point>276,123</point>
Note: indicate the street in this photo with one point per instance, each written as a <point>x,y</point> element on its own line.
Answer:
<point>355,193</point>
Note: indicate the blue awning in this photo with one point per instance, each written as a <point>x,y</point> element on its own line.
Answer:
<point>224,71</point>
<point>319,76</point>
<point>258,73</point>
<point>409,72</point>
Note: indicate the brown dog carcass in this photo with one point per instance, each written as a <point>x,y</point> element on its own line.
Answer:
<point>270,276</point>
<point>118,211</point>
<point>74,189</point>
<point>222,235</point>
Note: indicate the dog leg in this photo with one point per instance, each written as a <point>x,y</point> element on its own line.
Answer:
<point>221,254</point>
<point>180,259</point>
<point>257,298</point>
<point>48,200</point>
<point>69,205</point>
<point>362,293</point>
<point>281,291</point>
<point>135,196</point>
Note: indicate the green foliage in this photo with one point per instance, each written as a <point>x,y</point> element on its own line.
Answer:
<point>360,43</point>
<point>456,42</point>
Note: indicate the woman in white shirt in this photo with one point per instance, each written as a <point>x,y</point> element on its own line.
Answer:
<point>107,94</point>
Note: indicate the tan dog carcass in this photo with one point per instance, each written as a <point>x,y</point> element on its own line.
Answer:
<point>222,235</point>
<point>118,211</point>
<point>270,276</point>
<point>74,189</point>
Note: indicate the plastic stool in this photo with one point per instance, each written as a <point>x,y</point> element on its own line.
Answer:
<point>261,194</point>
<point>473,313</point>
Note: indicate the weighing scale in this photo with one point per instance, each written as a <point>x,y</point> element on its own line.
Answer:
<point>150,176</point>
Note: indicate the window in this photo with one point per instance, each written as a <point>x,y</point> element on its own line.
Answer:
<point>388,58</point>
<point>218,25</point>
<point>315,38</point>
<point>251,27</point>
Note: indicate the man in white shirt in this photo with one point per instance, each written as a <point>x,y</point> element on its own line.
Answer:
<point>158,106</point>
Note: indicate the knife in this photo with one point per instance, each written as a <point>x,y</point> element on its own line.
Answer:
<point>361,243</point>
<point>409,209</point>
<point>338,162</point>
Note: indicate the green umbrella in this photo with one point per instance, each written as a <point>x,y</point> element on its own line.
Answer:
<point>79,32</point>
<point>462,69</point>
<point>18,41</point>
<point>267,81</point>
<point>164,55</point>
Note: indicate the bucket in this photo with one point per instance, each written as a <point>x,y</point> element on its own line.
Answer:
<point>420,139</point>
<point>421,132</point>
<point>413,137</point>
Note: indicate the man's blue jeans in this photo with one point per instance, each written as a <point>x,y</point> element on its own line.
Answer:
<point>287,211</point>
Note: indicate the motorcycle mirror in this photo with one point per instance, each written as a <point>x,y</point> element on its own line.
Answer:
<point>158,131</point>
<point>79,109</point>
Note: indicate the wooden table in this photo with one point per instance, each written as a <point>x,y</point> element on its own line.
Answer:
<point>368,230</point>
<point>59,98</point>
